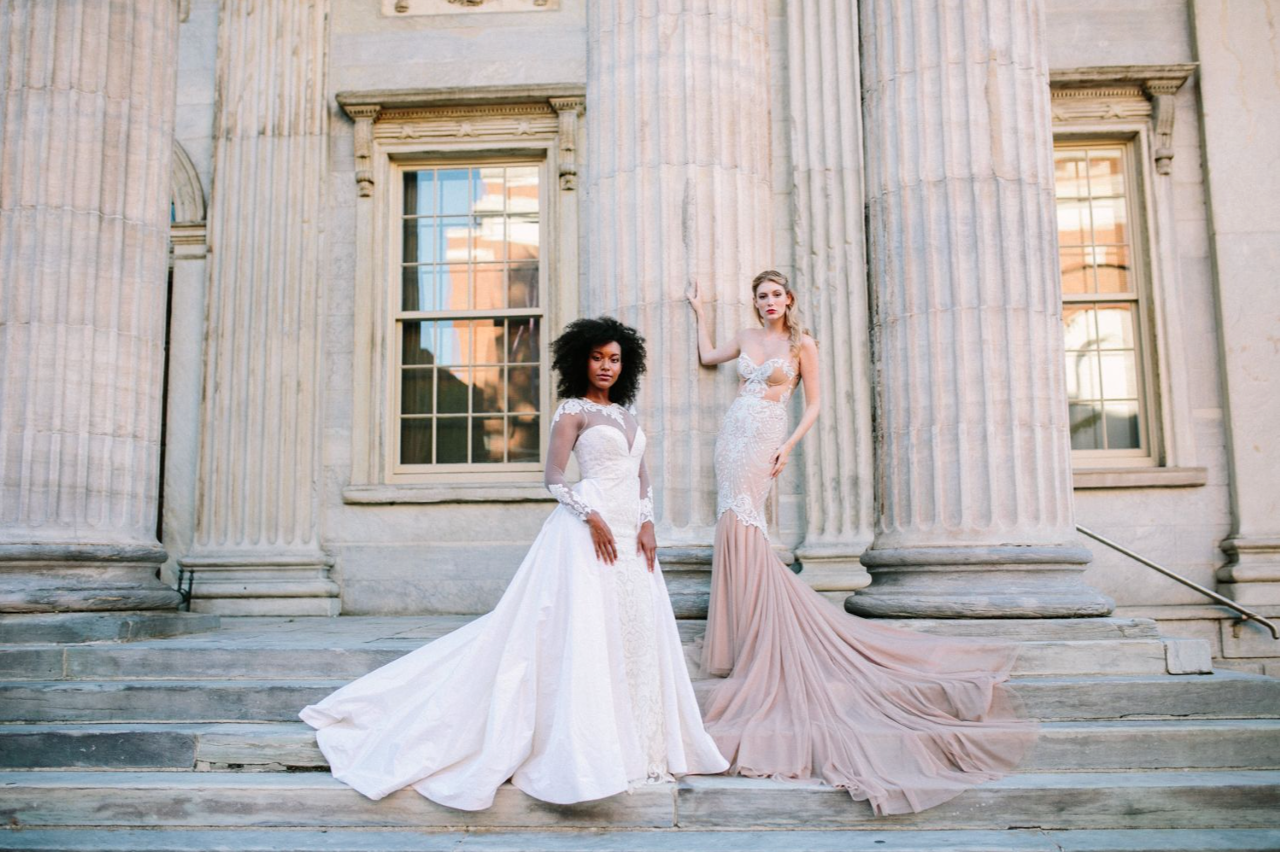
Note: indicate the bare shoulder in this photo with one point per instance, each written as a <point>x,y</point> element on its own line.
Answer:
<point>808,345</point>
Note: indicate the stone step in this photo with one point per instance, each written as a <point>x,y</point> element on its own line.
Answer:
<point>1225,695</point>
<point>670,840</point>
<point>1154,800</point>
<point>1062,747</point>
<point>1054,646</point>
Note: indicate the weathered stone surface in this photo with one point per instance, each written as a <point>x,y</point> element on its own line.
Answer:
<point>42,628</point>
<point>973,465</point>
<point>861,840</point>
<point>1225,695</point>
<point>84,217</point>
<point>1073,800</point>
<point>154,747</point>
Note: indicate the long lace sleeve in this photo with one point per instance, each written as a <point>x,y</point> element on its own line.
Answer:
<point>646,489</point>
<point>565,429</point>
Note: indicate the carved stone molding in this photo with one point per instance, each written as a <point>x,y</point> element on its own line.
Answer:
<point>1122,92</point>
<point>569,111</point>
<point>364,117</point>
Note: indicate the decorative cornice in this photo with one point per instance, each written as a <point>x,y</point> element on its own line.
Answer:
<point>1118,92</point>
<point>478,96</point>
<point>412,8</point>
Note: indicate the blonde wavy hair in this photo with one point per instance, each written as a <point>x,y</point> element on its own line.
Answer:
<point>791,316</point>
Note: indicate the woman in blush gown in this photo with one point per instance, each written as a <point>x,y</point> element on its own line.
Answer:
<point>574,686</point>
<point>900,719</point>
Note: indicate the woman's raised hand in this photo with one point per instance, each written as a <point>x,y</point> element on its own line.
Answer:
<point>602,538</point>
<point>694,296</point>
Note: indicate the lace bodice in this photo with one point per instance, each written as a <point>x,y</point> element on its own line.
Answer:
<point>772,380</point>
<point>609,444</point>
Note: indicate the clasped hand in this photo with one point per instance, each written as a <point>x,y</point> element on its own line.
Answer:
<point>607,548</point>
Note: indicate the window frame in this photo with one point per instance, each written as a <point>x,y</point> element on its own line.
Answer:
<point>1148,454</point>
<point>395,319</point>
<point>394,130</point>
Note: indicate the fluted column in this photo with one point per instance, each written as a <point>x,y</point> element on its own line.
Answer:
<point>972,463</point>
<point>87,93</point>
<point>830,274</point>
<point>257,548</point>
<point>677,187</point>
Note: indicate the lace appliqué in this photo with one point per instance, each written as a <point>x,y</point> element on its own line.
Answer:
<point>646,506</point>
<point>634,587</point>
<point>577,406</point>
<point>572,501</point>
<point>755,377</point>
<point>753,429</point>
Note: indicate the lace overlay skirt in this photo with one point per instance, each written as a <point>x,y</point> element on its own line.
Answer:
<point>752,430</point>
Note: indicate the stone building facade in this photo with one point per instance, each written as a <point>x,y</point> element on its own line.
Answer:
<point>1037,242</point>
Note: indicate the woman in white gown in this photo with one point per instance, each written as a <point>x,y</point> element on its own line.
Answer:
<point>574,686</point>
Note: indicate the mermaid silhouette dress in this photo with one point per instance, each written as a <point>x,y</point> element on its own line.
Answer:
<point>574,686</point>
<point>900,719</point>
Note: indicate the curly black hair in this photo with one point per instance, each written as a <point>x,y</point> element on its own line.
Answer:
<point>572,348</point>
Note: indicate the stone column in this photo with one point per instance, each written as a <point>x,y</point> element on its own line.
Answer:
<point>87,93</point>
<point>257,549</point>
<point>677,187</point>
<point>972,463</point>
<point>830,275</point>
<point>1236,42</point>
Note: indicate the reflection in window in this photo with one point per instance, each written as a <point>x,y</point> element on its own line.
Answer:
<point>1102,307</point>
<point>470,316</point>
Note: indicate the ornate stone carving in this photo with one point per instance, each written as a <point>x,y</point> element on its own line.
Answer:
<point>364,116</point>
<point>569,111</point>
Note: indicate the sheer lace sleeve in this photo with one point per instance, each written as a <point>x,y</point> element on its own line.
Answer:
<point>565,428</point>
<point>646,488</point>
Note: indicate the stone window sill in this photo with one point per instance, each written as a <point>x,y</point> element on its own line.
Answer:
<point>470,492</point>
<point>1141,477</point>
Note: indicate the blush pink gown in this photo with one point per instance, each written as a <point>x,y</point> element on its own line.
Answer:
<point>802,689</point>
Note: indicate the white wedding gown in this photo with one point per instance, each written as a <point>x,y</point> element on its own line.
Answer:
<point>574,686</point>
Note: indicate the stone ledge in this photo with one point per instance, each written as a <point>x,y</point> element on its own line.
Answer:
<point>503,492</point>
<point>1140,477</point>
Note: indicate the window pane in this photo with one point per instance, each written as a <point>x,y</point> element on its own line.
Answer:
<point>1077,276</point>
<point>489,343</point>
<point>490,286</point>
<point>1086,426</point>
<point>522,285</point>
<point>1122,426</point>
<point>1119,375</point>
<point>488,440</point>
<point>524,341</point>
<point>522,189</point>
<point>1110,221</point>
<point>522,389</point>
<point>487,390</point>
<point>491,239</point>
<point>522,238</point>
<point>491,190</point>
<point>422,291</point>
<point>419,343</point>
<point>1082,375</point>
<point>451,440</point>
<point>417,391</point>
<point>422,242</point>
<point>454,343</point>
<point>455,192</point>
<point>455,386</point>
<point>1106,172</point>
<point>419,193</point>
<point>1080,331</point>
<point>1113,269</point>
<point>1115,326</point>
<point>1073,223</point>
<point>1069,175</point>
<point>453,239</point>
<point>415,441</point>
<point>524,442</point>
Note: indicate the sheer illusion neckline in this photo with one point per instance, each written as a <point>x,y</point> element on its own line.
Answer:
<point>788,364</point>
<point>614,411</point>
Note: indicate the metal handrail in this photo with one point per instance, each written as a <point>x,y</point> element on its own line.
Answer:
<point>1247,615</point>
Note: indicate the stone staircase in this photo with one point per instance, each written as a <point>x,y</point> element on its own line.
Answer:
<point>192,742</point>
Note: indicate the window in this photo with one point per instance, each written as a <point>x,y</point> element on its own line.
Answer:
<point>469,318</point>
<point>1099,239</point>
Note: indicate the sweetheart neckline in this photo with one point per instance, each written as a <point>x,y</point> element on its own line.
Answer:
<point>788,364</point>
<point>631,445</point>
